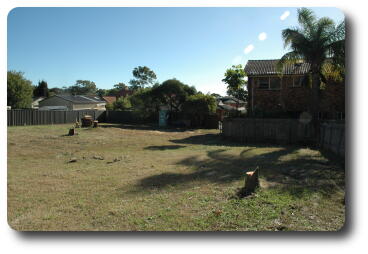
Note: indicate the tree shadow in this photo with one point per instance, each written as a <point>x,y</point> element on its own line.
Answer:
<point>212,139</point>
<point>144,127</point>
<point>161,148</point>
<point>281,168</point>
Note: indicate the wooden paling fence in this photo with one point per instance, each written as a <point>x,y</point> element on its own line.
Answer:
<point>286,131</point>
<point>333,137</point>
<point>282,131</point>
<point>21,117</point>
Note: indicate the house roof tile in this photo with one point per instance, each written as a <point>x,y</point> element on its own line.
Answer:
<point>109,99</point>
<point>269,67</point>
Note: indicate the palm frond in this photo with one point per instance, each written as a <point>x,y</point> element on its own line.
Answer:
<point>306,19</point>
<point>290,57</point>
<point>324,27</point>
<point>292,36</point>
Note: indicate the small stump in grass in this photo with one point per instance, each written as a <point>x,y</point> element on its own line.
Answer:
<point>95,124</point>
<point>71,132</point>
<point>251,181</point>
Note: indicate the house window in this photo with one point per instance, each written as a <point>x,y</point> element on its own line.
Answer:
<point>275,83</point>
<point>269,83</point>
<point>298,81</point>
<point>263,83</point>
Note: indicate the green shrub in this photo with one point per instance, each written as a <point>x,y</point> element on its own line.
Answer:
<point>123,103</point>
<point>109,106</point>
<point>197,107</point>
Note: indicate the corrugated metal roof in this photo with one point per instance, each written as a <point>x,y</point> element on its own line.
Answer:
<point>81,99</point>
<point>269,67</point>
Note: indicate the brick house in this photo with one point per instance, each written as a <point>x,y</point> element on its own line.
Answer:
<point>288,90</point>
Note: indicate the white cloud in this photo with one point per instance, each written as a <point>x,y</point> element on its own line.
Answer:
<point>285,15</point>
<point>262,36</point>
<point>237,60</point>
<point>248,48</point>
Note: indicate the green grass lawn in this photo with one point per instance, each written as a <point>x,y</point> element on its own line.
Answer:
<point>141,178</point>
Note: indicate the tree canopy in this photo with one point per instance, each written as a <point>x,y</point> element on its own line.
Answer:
<point>235,80</point>
<point>83,87</point>
<point>41,90</point>
<point>120,86</point>
<point>19,90</point>
<point>122,104</point>
<point>173,93</point>
<point>315,41</point>
<point>143,76</point>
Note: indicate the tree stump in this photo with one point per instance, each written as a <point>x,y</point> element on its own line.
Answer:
<point>87,121</point>
<point>71,132</point>
<point>95,124</point>
<point>251,181</point>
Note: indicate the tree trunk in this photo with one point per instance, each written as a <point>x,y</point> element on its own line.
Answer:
<point>315,102</point>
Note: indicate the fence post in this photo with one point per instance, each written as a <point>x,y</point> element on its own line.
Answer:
<point>340,140</point>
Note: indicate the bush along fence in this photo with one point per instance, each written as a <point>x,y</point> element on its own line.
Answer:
<point>21,117</point>
<point>127,117</point>
<point>285,131</point>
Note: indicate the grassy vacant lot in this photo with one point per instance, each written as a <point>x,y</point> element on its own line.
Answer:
<point>141,178</point>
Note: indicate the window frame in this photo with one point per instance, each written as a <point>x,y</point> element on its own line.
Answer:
<point>280,80</point>
<point>300,83</point>
<point>257,83</point>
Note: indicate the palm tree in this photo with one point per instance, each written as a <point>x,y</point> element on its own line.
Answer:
<point>315,41</point>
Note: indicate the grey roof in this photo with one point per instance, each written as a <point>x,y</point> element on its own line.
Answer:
<point>81,99</point>
<point>269,67</point>
<point>229,99</point>
<point>230,108</point>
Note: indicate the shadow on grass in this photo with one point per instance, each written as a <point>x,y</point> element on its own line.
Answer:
<point>161,148</point>
<point>143,127</point>
<point>288,168</point>
<point>215,139</point>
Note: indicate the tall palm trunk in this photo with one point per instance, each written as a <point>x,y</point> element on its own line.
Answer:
<point>315,101</point>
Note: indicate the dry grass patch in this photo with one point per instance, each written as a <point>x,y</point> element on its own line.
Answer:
<point>142,178</point>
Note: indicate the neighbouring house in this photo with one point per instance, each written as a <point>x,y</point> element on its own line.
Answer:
<point>228,104</point>
<point>73,102</point>
<point>36,101</point>
<point>109,99</point>
<point>288,90</point>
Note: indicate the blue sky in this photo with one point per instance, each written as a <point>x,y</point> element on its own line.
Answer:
<point>194,45</point>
